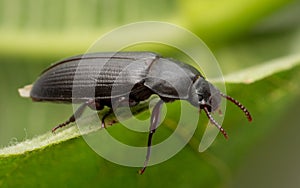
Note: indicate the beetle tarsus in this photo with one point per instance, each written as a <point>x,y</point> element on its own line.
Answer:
<point>155,119</point>
<point>72,119</point>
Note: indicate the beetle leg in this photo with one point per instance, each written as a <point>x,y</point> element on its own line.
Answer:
<point>77,114</point>
<point>94,105</point>
<point>105,116</point>
<point>213,121</point>
<point>155,119</point>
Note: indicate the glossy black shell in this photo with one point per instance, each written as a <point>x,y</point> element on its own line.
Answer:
<point>90,76</point>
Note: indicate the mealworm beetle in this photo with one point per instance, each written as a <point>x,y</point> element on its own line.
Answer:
<point>151,74</point>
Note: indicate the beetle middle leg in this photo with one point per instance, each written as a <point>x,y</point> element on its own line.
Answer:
<point>104,117</point>
<point>90,103</point>
<point>119,102</point>
<point>155,119</point>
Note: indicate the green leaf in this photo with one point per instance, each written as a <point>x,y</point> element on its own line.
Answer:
<point>261,71</point>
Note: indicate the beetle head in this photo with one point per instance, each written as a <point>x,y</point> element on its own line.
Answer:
<point>208,98</point>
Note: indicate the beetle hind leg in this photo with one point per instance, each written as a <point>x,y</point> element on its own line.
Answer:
<point>155,119</point>
<point>77,114</point>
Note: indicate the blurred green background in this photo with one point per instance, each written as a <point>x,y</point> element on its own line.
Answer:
<point>34,34</point>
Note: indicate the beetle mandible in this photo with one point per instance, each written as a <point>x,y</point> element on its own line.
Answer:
<point>56,84</point>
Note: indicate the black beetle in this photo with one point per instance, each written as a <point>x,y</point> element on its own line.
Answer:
<point>150,74</point>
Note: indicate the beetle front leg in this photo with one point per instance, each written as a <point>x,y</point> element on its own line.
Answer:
<point>77,114</point>
<point>155,119</point>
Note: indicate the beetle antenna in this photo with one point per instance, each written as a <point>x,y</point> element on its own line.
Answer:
<point>242,107</point>
<point>215,122</point>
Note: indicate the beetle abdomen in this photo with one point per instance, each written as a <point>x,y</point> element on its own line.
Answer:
<point>98,75</point>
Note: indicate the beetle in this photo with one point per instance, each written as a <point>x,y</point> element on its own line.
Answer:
<point>107,74</point>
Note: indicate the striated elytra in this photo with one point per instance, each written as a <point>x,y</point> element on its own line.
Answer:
<point>101,79</point>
